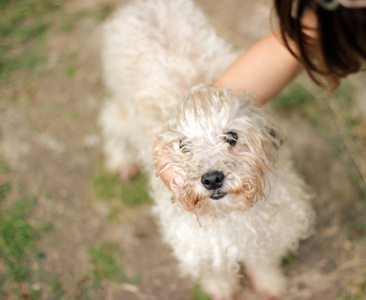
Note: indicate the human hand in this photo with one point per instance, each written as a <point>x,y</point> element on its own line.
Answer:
<point>171,178</point>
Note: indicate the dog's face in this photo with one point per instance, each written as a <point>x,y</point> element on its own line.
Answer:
<point>224,146</point>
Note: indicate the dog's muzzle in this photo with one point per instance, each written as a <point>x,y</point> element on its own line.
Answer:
<point>213,181</point>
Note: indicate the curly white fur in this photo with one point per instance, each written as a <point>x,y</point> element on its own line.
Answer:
<point>154,52</point>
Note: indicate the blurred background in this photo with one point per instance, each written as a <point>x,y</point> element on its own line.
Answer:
<point>71,230</point>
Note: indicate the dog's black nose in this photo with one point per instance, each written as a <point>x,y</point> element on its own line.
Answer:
<point>213,180</point>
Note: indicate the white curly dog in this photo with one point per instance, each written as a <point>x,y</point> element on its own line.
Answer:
<point>241,202</point>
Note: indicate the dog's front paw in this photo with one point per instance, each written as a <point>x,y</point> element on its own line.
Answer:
<point>125,171</point>
<point>128,172</point>
<point>220,288</point>
<point>268,281</point>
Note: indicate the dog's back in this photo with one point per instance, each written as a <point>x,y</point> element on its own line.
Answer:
<point>164,44</point>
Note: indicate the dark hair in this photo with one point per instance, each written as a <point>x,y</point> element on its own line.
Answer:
<point>340,45</point>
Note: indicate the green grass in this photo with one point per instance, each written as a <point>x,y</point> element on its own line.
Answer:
<point>17,239</point>
<point>4,167</point>
<point>289,259</point>
<point>23,26</point>
<point>296,98</point>
<point>328,115</point>
<point>70,71</point>
<point>199,294</point>
<point>21,272</point>
<point>106,263</point>
<point>5,188</point>
<point>131,194</point>
<point>337,120</point>
<point>103,12</point>
<point>356,293</point>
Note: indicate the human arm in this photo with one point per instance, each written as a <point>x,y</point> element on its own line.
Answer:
<point>168,175</point>
<point>263,70</point>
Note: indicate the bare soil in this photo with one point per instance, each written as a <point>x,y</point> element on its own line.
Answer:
<point>52,140</point>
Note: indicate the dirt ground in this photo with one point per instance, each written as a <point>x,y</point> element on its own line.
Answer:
<point>52,140</point>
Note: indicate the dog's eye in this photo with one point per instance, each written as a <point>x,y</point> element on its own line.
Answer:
<point>231,138</point>
<point>184,145</point>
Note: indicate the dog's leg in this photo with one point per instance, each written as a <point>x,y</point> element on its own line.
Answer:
<point>267,279</point>
<point>118,145</point>
<point>219,286</point>
<point>195,248</point>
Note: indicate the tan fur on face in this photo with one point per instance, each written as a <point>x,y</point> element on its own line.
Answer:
<point>204,119</point>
